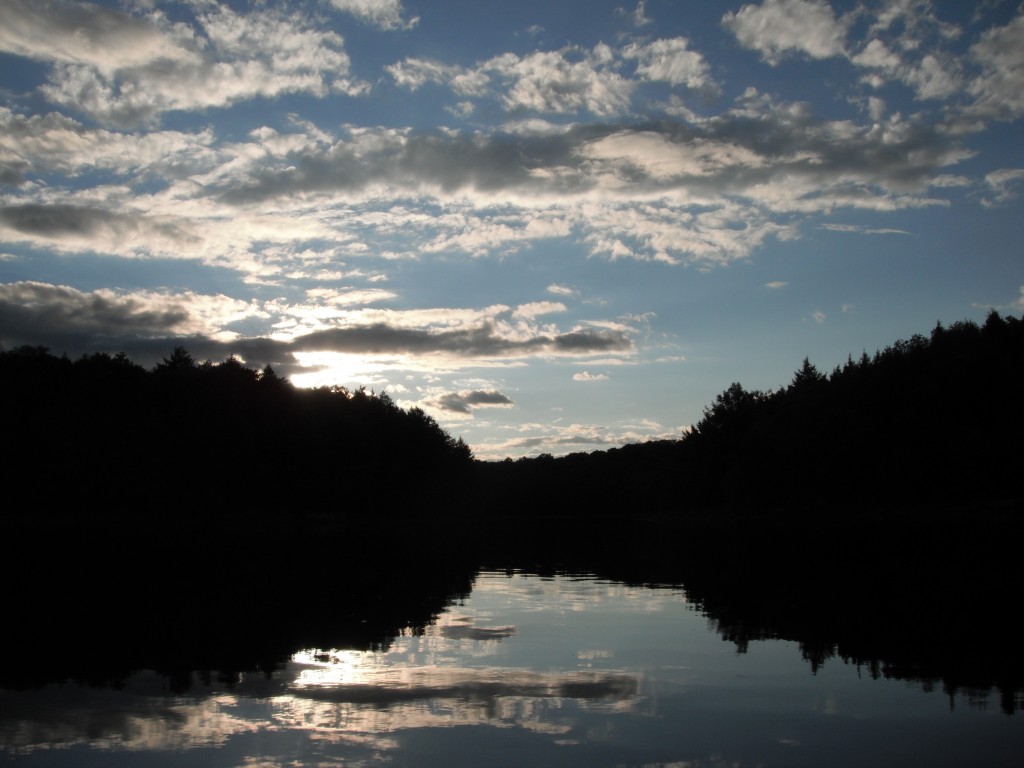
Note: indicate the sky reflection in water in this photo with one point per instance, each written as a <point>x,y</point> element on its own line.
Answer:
<point>527,671</point>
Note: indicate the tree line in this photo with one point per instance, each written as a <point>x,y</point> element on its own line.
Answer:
<point>934,418</point>
<point>930,419</point>
<point>104,432</point>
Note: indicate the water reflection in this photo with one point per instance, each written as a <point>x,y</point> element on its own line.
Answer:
<point>525,671</point>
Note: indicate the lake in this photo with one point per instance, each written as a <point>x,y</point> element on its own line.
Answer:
<point>522,669</point>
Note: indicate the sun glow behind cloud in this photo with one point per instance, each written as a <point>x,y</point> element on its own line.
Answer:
<point>327,369</point>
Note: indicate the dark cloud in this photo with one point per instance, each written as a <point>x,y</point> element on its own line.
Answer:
<point>62,221</point>
<point>55,220</point>
<point>482,685</point>
<point>553,440</point>
<point>449,163</point>
<point>464,402</point>
<point>585,440</point>
<point>53,313</point>
<point>732,154</point>
<point>12,172</point>
<point>73,322</point>
<point>469,632</point>
<point>480,341</point>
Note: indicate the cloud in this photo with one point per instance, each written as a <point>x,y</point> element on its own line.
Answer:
<point>557,439</point>
<point>288,202</point>
<point>669,61</point>
<point>818,316</point>
<point>128,69</point>
<point>999,90</point>
<point>777,27</point>
<point>464,402</point>
<point>563,82</point>
<point>414,73</point>
<point>481,341</point>
<point>560,82</point>
<point>671,192</point>
<point>537,308</point>
<point>638,15</point>
<point>908,43</point>
<point>100,38</point>
<point>150,323</point>
<point>482,685</point>
<point>350,297</point>
<point>461,629</point>
<point>587,376</point>
<point>877,56</point>
<point>67,319</point>
<point>914,18</point>
<point>933,78</point>
<point>864,230</point>
<point>1006,184</point>
<point>47,143</point>
<point>385,14</point>
<point>561,290</point>
<point>79,227</point>
<point>776,284</point>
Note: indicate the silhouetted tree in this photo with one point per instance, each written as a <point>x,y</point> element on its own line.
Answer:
<point>179,360</point>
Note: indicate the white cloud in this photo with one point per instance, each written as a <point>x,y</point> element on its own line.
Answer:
<point>561,439</point>
<point>538,308</point>
<point>288,203</point>
<point>878,56</point>
<point>1005,184</point>
<point>876,108</point>
<point>102,39</point>
<point>999,90</point>
<point>564,81</point>
<point>414,73</point>
<point>776,284</point>
<point>462,109</point>
<point>669,61</point>
<point>777,27</point>
<point>915,18</point>
<point>128,70</point>
<point>638,15</point>
<point>385,14</point>
<point>932,78</point>
<point>44,143</point>
<point>349,297</point>
<point>588,376</point>
<point>661,157</point>
<point>864,230</point>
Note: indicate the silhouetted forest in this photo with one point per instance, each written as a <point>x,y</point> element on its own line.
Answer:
<point>188,437</point>
<point>927,420</point>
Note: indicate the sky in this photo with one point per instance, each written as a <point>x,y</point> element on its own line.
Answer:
<point>553,226</point>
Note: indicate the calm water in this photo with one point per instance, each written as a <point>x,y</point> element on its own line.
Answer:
<point>526,671</point>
